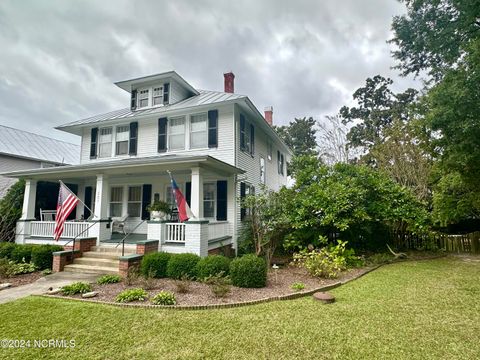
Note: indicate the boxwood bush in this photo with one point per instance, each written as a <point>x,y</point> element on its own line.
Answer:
<point>182,265</point>
<point>42,255</point>
<point>155,264</point>
<point>248,271</point>
<point>212,265</point>
<point>6,249</point>
<point>22,253</point>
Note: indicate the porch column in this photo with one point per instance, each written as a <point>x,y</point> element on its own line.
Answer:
<point>101,230</point>
<point>81,196</point>
<point>196,200</point>
<point>29,197</point>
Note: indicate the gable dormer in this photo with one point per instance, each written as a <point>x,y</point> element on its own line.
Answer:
<point>157,90</point>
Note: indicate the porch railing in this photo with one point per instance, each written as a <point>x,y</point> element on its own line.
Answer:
<point>218,229</point>
<point>175,232</point>
<point>71,229</point>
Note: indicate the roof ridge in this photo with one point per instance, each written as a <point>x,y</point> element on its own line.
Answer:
<point>39,135</point>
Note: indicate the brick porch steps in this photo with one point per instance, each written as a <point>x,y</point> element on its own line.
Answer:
<point>89,269</point>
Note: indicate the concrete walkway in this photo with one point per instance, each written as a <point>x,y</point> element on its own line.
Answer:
<point>41,285</point>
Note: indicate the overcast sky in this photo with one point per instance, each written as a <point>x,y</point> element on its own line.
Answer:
<point>59,59</point>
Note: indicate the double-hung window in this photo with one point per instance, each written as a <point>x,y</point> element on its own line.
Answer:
<point>157,96</point>
<point>198,131</point>
<point>134,205</point>
<point>121,140</point>
<point>105,143</point>
<point>209,200</point>
<point>176,138</point>
<point>143,98</point>
<point>116,201</point>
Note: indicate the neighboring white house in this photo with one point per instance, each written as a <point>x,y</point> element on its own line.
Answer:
<point>22,150</point>
<point>217,145</point>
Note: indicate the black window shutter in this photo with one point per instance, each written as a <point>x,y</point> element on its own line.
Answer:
<point>213,128</point>
<point>133,102</point>
<point>88,202</point>
<point>162,134</point>
<point>221,200</point>
<point>166,94</point>
<point>132,150</point>
<point>93,143</point>
<point>146,199</point>
<point>242,132</point>
<point>188,192</point>
<point>243,211</point>
<point>252,139</point>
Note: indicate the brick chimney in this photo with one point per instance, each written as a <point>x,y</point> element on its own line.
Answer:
<point>269,114</point>
<point>229,82</point>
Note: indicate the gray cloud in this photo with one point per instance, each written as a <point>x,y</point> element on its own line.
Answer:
<point>60,58</point>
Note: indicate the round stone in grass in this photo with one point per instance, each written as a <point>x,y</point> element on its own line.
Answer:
<point>324,297</point>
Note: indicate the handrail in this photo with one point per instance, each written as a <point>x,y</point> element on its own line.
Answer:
<point>131,232</point>
<point>73,247</point>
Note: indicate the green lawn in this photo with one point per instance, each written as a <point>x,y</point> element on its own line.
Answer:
<point>412,310</point>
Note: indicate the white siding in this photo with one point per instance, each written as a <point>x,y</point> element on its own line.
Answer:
<point>10,163</point>
<point>148,138</point>
<point>177,92</point>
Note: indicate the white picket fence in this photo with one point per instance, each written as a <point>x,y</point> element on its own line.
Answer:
<point>71,229</point>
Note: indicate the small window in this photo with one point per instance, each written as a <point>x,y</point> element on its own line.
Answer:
<point>157,98</point>
<point>143,98</point>
<point>269,151</point>
<point>262,170</point>
<point>134,201</point>
<point>198,131</point>
<point>116,201</point>
<point>121,141</point>
<point>176,138</point>
<point>105,143</point>
<point>209,200</point>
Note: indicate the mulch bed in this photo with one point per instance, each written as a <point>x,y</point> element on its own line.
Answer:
<point>201,294</point>
<point>22,279</point>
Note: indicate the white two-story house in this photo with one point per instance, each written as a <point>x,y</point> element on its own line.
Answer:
<point>217,146</point>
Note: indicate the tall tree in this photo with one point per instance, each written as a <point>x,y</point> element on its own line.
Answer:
<point>299,135</point>
<point>378,106</point>
<point>434,35</point>
<point>332,140</point>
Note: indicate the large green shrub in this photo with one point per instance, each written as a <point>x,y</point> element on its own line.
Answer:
<point>11,210</point>
<point>22,253</point>
<point>182,265</point>
<point>212,265</point>
<point>155,264</point>
<point>248,271</point>
<point>42,255</point>
<point>6,249</point>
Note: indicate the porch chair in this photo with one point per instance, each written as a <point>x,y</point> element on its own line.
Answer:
<point>48,215</point>
<point>118,224</point>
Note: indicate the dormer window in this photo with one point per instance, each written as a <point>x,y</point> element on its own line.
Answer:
<point>143,98</point>
<point>157,96</point>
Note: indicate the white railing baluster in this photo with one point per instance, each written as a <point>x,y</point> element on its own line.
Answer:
<point>71,229</point>
<point>175,232</point>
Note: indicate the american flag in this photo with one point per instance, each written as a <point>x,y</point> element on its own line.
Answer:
<point>65,204</point>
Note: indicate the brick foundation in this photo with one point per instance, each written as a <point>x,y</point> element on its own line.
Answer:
<point>147,246</point>
<point>62,258</point>
<point>82,245</point>
<point>128,262</point>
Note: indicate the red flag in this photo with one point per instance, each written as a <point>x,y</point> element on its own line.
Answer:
<point>184,212</point>
<point>65,205</point>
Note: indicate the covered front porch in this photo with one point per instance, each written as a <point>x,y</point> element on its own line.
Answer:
<point>120,191</point>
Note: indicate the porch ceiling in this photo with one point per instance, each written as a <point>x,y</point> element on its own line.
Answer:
<point>156,165</point>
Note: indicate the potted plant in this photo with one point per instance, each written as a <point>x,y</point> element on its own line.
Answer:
<point>158,210</point>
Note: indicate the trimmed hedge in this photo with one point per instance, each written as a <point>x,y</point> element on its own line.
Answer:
<point>181,265</point>
<point>6,249</point>
<point>21,253</point>
<point>212,265</point>
<point>42,255</point>
<point>248,271</point>
<point>155,264</point>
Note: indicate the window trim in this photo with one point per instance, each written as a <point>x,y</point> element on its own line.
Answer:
<point>128,202</point>
<point>128,139</point>
<point>140,98</point>
<point>110,202</point>
<point>214,184</point>
<point>157,96</point>
<point>99,155</point>
<point>169,132</point>
<point>190,131</point>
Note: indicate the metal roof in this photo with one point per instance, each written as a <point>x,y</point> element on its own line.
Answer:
<point>128,85</point>
<point>24,144</point>
<point>204,98</point>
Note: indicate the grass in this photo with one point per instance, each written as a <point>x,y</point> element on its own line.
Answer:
<point>411,310</point>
